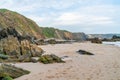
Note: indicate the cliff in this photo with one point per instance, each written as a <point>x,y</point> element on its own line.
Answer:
<point>26,27</point>
<point>22,24</point>
<point>79,36</point>
<point>50,32</point>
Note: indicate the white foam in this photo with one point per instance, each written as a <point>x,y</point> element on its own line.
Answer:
<point>113,43</point>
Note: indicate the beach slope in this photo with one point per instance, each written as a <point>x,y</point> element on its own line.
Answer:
<point>103,65</point>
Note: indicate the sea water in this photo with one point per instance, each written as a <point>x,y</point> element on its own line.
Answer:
<point>113,43</point>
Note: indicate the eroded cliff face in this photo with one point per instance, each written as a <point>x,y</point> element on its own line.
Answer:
<point>49,32</point>
<point>62,34</point>
<point>79,36</point>
<point>23,25</point>
<point>26,27</point>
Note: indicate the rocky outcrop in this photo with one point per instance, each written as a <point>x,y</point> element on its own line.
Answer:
<point>96,40</point>
<point>11,71</point>
<point>17,46</point>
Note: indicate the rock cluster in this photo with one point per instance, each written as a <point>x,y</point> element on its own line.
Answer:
<point>17,46</point>
<point>96,40</point>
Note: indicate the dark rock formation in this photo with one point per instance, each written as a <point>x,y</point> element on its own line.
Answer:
<point>96,40</point>
<point>9,31</point>
<point>82,52</point>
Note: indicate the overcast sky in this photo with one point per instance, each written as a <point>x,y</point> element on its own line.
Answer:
<point>89,16</point>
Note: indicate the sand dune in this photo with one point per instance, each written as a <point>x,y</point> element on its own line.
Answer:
<point>104,65</point>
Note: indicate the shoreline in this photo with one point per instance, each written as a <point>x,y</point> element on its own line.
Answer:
<point>104,65</point>
<point>113,43</point>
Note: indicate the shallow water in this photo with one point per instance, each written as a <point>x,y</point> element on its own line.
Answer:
<point>113,43</point>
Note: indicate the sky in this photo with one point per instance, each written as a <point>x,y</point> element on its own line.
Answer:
<point>89,16</point>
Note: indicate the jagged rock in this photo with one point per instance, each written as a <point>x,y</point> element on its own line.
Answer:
<point>12,71</point>
<point>25,47</point>
<point>35,50</point>
<point>19,47</point>
<point>9,31</point>
<point>29,50</point>
<point>10,46</point>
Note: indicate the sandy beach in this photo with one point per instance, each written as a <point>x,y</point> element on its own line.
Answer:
<point>104,65</point>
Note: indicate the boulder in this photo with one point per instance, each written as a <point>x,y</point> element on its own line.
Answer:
<point>83,52</point>
<point>46,59</point>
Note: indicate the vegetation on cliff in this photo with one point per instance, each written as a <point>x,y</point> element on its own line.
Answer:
<point>22,24</point>
<point>50,32</point>
<point>27,27</point>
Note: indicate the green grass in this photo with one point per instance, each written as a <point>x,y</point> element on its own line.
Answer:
<point>3,10</point>
<point>7,78</point>
<point>48,32</point>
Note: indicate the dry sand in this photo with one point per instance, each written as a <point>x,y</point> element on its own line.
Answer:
<point>104,65</point>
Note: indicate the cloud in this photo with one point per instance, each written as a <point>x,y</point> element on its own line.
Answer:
<point>82,19</point>
<point>85,15</point>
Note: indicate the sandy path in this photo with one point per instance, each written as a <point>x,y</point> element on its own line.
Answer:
<point>104,65</point>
